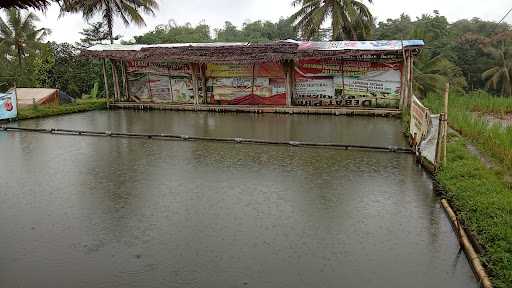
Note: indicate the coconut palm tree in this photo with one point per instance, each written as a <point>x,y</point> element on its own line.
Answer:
<point>18,34</point>
<point>432,73</point>
<point>499,77</point>
<point>23,4</point>
<point>350,19</point>
<point>127,10</point>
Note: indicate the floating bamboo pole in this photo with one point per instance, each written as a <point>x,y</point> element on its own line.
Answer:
<point>465,243</point>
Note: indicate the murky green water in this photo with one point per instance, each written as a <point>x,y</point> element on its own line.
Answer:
<point>100,212</point>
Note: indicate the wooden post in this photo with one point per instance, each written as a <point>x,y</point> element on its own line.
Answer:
<point>442,135</point>
<point>125,80</point>
<point>204,82</point>
<point>289,69</point>
<point>411,77</point>
<point>194,84</point>
<point>105,78</point>
<point>445,136</point>
<point>115,78</point>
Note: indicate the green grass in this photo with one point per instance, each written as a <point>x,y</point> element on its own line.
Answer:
<point>53,110</point>
<point>484,203</point>
<point>494,140</point>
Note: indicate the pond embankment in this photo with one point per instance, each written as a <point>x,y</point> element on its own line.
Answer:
<point>478,185</point>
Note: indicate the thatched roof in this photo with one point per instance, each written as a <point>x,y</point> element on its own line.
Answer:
<point>23,4</point>
<point>253,53</point>
<point>198,52</point>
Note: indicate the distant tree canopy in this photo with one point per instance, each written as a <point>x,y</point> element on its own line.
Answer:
<point>459,52</point>
<point>471,53</point>
<point>256,32</point>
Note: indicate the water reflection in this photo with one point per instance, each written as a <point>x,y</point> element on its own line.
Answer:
<point>101,212</point>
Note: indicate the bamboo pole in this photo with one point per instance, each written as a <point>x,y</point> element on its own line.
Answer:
<point>411,77</point>
<point>115,78</point>
<point>194,84</point>
<point>204,83</point>
<point>442,135</point>
<point>445,122</point>
<point>288,65</point>
<point>465,243</point>
<point>105,78</point>
<point>125,80</point>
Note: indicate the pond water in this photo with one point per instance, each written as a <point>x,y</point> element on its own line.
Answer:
<point>102,212</point>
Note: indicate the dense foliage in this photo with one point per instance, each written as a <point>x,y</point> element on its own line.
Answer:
<point>484,204</point>
<point>472,54</point>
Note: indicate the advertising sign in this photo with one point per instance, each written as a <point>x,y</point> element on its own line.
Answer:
<point>356,83</point>
<point>318,67</point>
<point>182,90</point>
<point>382,45</point>
<point>232,88</point>
<point>8,109</point>
<point>269,70</point>
<point>314,91</point>
<point>374,84</point>
<point>160,86</point>
<point>177,69</point>
<point>138,86</point>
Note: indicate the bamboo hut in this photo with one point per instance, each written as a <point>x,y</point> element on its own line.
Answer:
<point>317,75</point>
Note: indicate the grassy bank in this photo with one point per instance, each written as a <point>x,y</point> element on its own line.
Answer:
<point>484,203</point>
<point>53,110</point>
<point>494,140</point>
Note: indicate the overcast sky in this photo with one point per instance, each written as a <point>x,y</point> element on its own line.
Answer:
<point>214,13</point>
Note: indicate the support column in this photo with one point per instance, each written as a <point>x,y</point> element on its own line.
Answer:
<point>411,78</point>
<point>204,83</point>
<point>105,79</point>
<point>195,84</point>
<point>125,81</point>
<point>115,78</point>
<point>290,81</point>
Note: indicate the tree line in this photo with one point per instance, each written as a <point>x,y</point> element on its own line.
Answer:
<point>471,54</point>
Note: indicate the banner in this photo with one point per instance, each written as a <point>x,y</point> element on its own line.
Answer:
<point>183,90</point>
<point>380,45</point>
<point>420,120</point>
<point>374,84</point>
<point>232,88</point>
<point>138,86</point>
<point>356,83</point>
<point>160,87</point>
<point>328,67</point>
<point>314,91</point>
<point>268,70</point>
<point>174,69</point>
<point>8,109</point>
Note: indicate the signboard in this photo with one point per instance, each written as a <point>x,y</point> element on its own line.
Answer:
<point>269,70</point>
<point>175,69</point>
<point>356,83</point>
<point>374,83</point>
<point>182,90</point>
<point>420,120</point>
<point>318,67</point>
<point>138,86</point>
<point>384,45</point>
<point>8,109</point>
<point>160,87</point>
<point>232,88</point>
<point>314,91</point>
